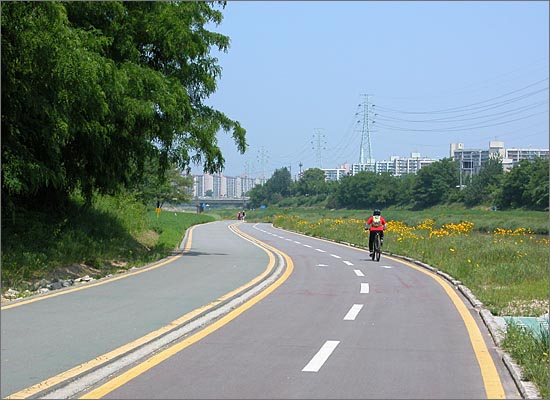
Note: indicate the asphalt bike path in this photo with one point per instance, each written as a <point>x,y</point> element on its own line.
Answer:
<point>49,339</point>
<point>337,326</point>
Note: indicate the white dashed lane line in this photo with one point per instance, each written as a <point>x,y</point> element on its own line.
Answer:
<point>353,312</point>
<point>348,263</point>
<point>326,350</point>
<point>322,355</point>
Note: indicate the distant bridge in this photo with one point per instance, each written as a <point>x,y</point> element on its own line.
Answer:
<point>221,201</point>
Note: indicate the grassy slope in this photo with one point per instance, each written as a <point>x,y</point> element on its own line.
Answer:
<point>115,234</point>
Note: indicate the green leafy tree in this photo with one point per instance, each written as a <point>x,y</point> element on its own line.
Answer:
<point>172,187</point>
<point>312,182</point>
<point>91,90</point>
<point>538,188</point>
<point>355,191</point>
<point>484,186</point>
<point>384,191</point>
<point>258,196</point>
<point>526,185</point>
<point>403,187</point>
<point>435,183</point>
<point>279,185</point>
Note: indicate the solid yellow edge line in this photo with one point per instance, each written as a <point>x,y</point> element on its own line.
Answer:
<point>116,278</point>
<point>88,365</point>
<point>489,373</point>
<point>169,352</point>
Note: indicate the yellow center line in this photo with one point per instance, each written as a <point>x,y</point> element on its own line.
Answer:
<point>169,352</point>
<point>104,358</point>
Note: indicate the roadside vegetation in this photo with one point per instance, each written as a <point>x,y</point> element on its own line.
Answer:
<point>530,350</point>
<point>112,235</point>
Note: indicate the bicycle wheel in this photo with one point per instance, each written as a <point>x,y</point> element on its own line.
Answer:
<point>377,247</point>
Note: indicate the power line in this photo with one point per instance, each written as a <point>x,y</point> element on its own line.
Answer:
<point>467,107</point>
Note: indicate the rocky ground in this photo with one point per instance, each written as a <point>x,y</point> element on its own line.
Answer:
<point>59,278</point>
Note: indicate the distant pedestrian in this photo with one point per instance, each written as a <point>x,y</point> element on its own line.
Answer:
<point>239,216</point>
<point>243,214</point>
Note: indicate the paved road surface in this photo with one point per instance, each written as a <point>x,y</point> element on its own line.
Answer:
<point>335,326</point>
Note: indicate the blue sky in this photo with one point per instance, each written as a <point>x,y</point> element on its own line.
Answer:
<point>436,72</point>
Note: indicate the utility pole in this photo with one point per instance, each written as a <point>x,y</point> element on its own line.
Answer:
<point>461,167</point>
<point>319,144</point>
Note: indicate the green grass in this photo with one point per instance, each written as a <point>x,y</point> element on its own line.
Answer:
<point>485,220</point>
<point>530,350</point>
<point>115,234</point>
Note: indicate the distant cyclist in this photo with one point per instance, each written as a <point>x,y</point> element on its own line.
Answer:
<point>376,223</point>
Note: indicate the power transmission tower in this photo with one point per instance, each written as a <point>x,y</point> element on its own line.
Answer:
<point>319,144</point>
<point>262,159</point>
<point>247,168</point>
<point>366,127</point>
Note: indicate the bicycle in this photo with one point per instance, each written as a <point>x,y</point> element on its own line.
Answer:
<point>377,247</point>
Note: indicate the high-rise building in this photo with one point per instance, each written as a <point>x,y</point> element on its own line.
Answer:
<point>471,160</point>
<point>398,166</point>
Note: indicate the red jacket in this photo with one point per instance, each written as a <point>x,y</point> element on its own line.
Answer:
<point>377,228</point>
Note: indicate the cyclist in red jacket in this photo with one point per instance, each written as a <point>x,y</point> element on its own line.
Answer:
<point>376,223</point>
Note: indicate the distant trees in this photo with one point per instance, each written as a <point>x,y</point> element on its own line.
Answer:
<point>311,183</point>
<point>170,187</point>
<point>92,90</point>
<point>525,186</point>
<point>435,183</point>
<point>485,187</point>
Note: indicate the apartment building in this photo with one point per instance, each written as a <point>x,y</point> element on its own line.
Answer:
<point>471,160</point>
<point>516,155</point>
<point>335,174</point>
<point>398,166</point>
<point>224,186</point>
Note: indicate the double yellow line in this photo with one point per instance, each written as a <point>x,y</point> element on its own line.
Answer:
<point>160,357</point>
<point>105,358</point>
